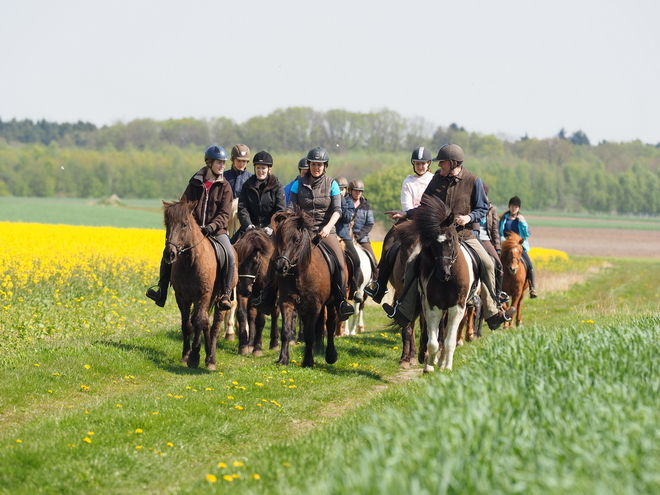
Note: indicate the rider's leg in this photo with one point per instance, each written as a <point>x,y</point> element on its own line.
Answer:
<point>344,309</point>
<point>378,287</point>
<point>160,295</point>
<point>228,283</point>
<point>350,250</point>
<point>404,309</point>
<point>499,275</point>
<point>494,316</point>
<point>530,275</point>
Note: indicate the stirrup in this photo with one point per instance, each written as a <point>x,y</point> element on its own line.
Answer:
<point>532,294</point>
<point>504,297</point>
<point>156,295</point>
<point>224,303</point>
<point>345,311</point>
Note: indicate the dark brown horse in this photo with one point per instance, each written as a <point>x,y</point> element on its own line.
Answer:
<point>304,283</point>
<point>195,281</point>
<point>514,281</point>
<point>446,277</point>
<point>254,251</point>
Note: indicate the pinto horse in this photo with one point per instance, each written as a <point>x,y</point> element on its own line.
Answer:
<point>355,324</point>
<point>195,281</point>
<point>253,250</point>
<point>304,283</point>
<point>230,316</point>
<point>446,278</point>
<point>514,281</point>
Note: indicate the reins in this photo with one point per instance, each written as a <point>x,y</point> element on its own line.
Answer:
<point>180,250</point>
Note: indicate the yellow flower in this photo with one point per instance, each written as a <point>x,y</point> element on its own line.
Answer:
<point>222,465</point>
<point>50,391</point>
<point>255,476</point>
<point>118,405</point>
<point>227,477</point>
<point>211,478</point>
<point>240,408</point>
<point>87,440</point>
<point>259,384</point>
<point>90,433</point>
<point>19,440</point>
<point>230,397</point>
<point>87,366</point>
<point>36,364</point>
<point>169,444</point>
<point>234,383</point>
<point>138,430</point>
<point>138,447</point>
<point>286,464</point>
<point>237,464</point>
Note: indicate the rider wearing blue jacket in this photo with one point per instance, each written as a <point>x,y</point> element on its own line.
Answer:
<point>513,221</point>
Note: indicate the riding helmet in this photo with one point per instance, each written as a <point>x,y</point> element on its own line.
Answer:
<point>421,154</point>
<point>302,164</point>
<point>318,154</point>
<point>356,185</point>
<point>215,153</point>
<point>263,158</point>
<point>341,181</point>
<point>451,152</point>
<point>515,201</point>
<point>240,151</point>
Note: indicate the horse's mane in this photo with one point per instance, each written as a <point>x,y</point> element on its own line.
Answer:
<point>431,218</point>
<point>255,239</point>
<point>296,224</point>
<point>511,241</point>
<point>177,211</point>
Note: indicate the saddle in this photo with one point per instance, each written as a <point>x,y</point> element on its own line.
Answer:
<point>221,256</point>
<point>477,267</point>
<point>329,256</point>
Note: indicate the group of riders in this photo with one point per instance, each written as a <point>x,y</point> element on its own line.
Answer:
<point>340,211</point>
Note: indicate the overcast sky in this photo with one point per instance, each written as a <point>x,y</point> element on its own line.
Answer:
<point>510,68</point>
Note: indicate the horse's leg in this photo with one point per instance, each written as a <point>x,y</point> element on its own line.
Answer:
<point>186,330</point>
<point>320,330</point>
<point>200,323</point>
<point>242,317</point>
<point>433,319</point>
<point>330,351</point>
<point>407,338</point>
<point>259,323</point>
<point>288,332</point>
<point>252,329</point>
<point>309,320</point>
<point>216,328</point>
<point>423,338</point>
<point>360,326</point>
<point>455,315</point>
<point>230,319</point>
<point>274,330</point>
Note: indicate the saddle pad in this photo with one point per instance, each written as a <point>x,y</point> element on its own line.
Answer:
<point>329,256</point>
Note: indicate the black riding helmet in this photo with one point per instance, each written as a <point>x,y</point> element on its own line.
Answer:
<point>515,201</point>
<point>302,164</point>
<point>263,158</point>
<point>318,154</point>
<point>420,154</point>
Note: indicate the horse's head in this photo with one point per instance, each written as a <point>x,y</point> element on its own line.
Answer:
<point>182,231</point>
<point>512,250</point>
<point>253,252</point>
<point>293,237</point>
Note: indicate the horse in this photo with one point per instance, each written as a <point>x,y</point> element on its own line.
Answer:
<point>304,283</point>
<point>446,278</point>
<point>230,316</point>
<point>254,250</point>
<point>195,280</point>
<point>514,281</point>
<point>355,323</point>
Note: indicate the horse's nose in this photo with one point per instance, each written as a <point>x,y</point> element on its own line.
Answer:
<point>171,256</point>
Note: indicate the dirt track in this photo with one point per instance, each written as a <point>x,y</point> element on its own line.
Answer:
<point>598,242</point>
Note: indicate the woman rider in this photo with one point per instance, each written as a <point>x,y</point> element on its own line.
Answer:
<point>513,221</point>
<point>318,195</point>
<point>213,195</point>
<point>261,197</point>
<point>343,227</point>
<point>364,217</point>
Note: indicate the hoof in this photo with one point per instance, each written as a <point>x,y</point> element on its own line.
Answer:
<point>193,363</point>
<point>331,358</point>
<point>404,365</point>
<point>428,368</point>
<point>210,367</point>
<point>230,336</point>
<point>413,361</point>
<point>243,350</point>
<point>460,343</point>
<point>258,353</point>
<point>275,347</point>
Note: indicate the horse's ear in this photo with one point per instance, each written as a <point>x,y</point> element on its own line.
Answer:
<point>279,217</point>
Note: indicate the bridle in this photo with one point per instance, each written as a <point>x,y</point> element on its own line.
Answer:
<point>180,250</point>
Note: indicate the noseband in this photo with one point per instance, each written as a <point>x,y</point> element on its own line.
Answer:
<point>180,250</point>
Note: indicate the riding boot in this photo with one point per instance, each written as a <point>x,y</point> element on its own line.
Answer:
<point>159,296</point>
<point>224,303</point>
<point>532,285</point>
<point>344,309</point>
<point>377,288</point>
<point>499,278</point>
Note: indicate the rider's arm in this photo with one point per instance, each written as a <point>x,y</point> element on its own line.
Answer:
<point>479,202</point>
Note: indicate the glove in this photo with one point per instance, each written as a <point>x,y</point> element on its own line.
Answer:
<point>269,230</point>
<point>207,230</point>
<point>249,227</point>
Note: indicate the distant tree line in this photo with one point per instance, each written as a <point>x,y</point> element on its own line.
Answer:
<point>150,159</point>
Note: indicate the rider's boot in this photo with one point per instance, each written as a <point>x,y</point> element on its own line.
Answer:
<point>500,317</point>
<point>397,316</point>
<point>158,293</point>
<point>532,285</point>
<point>376,289</point>
<point>224,303</point>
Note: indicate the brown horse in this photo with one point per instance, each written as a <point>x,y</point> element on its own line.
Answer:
<point>304,284</point>
<point>230,316</point>
<point>254,251</point>
<point>446,278</point>
<point>195,281</point>
<point>515,281</point>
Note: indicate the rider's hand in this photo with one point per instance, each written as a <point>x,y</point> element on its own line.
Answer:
<point>395,214</point>
<point>269,230</point>
<point>324,232</point>
<point>207,230</point>
<point>249,227</point>
<point>462,220</point>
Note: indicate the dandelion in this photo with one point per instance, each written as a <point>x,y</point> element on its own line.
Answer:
<point>56,374</point>
<point>18,440</point>
<point>90,433</point>
<point>255,476</point>
<point>211,478</point>
<point>230,397</point>
<point>286,464</point>
<point>84,387</point>
<point>50,391</point>
<point>237,464</point>
<point>87,440</point>
<point>259,384</point>
<point>138,430</point>
<point>138,447</point>
<point>236,476</point>
<point>155,412</point>
<point>36,364</point>
<point>234,383</point>
<point>118,405</point>
<point>208,388</point>
<point>227,477</point>
<point>87,366</point>
<point>169,444</point>
<point>222,465</point>
<point>240,408</point>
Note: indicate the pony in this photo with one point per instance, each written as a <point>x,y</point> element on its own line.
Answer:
<point>195,280</point>
<point>304,283</point>
<point>254,250</point>
<point>514,281</point>
<point>355,323</point>
<point>446,278</point>
<point>230,316</point>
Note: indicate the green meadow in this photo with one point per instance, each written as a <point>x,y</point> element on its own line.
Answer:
<point>569,403</point>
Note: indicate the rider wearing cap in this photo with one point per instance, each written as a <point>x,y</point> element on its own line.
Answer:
<point>464,194</point>
<point>213,197</point>
<point>412,189</point>
<point>262,196</point>
<point>237,175</point>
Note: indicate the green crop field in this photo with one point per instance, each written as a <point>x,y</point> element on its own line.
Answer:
<point>94,398</point>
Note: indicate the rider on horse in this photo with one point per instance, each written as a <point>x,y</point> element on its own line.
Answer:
<point>343,227</point>
<point>213,195</point>
<point>464,194</point>
<point>411,195</point>
<point>303,167</point>
<point>513,221</point>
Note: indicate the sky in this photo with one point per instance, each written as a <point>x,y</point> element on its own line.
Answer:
<point>503,67</point>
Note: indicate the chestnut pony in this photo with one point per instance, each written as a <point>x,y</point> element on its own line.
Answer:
<point>253,251</point>
<point>514,281</point>
<point>195,281</point>
<point>304,284</point>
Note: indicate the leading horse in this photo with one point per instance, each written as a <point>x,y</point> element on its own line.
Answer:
<point>304,283</point>
<point>514,281</point>
<point>195,280</point>
<point>446,278</point>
